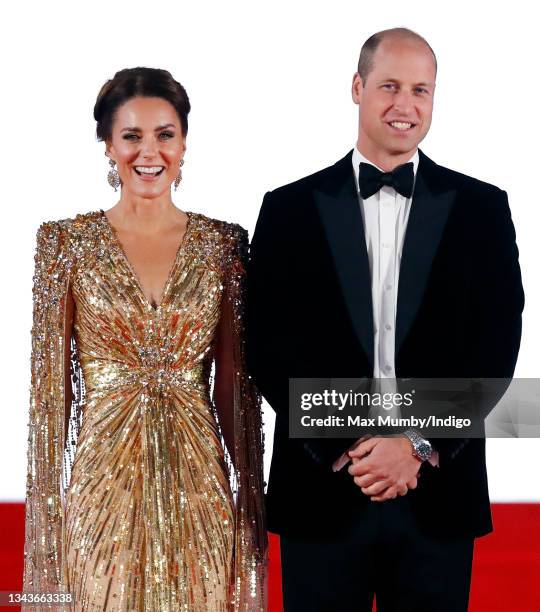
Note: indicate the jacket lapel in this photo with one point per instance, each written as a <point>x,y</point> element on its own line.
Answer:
<point>339,210</point>
<point>432,200</point>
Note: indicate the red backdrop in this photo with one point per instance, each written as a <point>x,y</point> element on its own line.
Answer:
<point>506,574</point>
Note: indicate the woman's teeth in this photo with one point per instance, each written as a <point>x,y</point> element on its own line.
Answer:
<point>154,171</point>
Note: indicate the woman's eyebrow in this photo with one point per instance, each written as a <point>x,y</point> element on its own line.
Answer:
<point>138,129</point>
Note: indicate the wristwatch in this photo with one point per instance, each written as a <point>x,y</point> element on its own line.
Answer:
<point>422,448</point>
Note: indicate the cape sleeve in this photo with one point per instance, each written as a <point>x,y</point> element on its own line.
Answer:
<point>44,561</point>
<point>238,406</point>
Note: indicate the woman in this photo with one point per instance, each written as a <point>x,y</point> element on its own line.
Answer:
<point>135,304</point>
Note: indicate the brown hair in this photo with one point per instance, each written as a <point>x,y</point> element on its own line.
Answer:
<point>365,61</point>
<point>140,81</point>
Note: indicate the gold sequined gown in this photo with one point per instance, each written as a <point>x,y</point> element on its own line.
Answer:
<point>142,510</point>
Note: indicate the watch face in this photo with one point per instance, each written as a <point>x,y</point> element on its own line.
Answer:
<point>422,447</point>
<point>424,450</point>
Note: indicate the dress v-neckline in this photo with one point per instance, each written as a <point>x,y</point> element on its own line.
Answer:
<point>134,275</point>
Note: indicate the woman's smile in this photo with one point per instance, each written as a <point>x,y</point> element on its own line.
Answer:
<point>149,173</point>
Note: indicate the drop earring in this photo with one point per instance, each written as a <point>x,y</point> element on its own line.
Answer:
<point>113,177</point>
<point>179,177</point>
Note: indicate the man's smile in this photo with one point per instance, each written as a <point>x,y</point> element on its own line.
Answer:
<point>402,126</point>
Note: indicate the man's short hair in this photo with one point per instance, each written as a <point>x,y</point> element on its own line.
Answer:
<point>367,53</point>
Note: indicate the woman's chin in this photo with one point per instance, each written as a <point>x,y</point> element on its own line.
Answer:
<point>148,190</point>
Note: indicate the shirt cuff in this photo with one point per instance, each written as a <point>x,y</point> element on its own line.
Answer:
<point>434,459</point>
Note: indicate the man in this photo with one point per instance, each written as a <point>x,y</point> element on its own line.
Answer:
<point>329,253</point>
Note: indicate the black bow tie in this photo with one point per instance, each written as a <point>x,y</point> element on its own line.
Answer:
<point>371,179</point>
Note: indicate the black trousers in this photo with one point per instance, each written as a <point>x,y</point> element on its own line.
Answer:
<point>385,553</point>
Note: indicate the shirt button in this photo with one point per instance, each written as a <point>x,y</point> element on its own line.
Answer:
<point>388,368</point>
<point>388,287</point>
<point>388,327</point>
<point>386,245</point>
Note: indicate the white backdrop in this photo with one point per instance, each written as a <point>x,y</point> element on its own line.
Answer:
<point>269,84</point>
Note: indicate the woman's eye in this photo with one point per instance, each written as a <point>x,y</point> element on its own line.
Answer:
<point>167,135</point>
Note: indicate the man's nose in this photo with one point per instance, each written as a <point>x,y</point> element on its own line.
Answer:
<point>403,101</point>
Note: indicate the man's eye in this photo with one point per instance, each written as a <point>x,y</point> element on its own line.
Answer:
<point>421,90</point>
<point>130,136</point>
<point>389,85</point>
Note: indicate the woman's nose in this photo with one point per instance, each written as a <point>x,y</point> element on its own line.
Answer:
<point>148,147</point>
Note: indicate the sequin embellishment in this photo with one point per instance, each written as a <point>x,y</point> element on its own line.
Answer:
<point>144,508</point>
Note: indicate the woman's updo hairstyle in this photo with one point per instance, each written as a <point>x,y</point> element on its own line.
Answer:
<point>132,82</point>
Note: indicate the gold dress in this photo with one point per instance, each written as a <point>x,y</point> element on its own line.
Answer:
<point>142,508</point>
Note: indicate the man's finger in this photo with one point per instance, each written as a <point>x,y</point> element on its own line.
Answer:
<point>365,480</point>
<point>364,447</point>
<point>375,488</point>
<point>389,493</point>
<point>413,483</point>
<point>359,468</point>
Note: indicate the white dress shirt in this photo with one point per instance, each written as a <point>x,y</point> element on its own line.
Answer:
<point>385,215</point>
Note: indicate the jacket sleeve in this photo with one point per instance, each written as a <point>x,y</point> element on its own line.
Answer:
<point>267,327</point>
<point>497,304</point>
<point>270,332</point>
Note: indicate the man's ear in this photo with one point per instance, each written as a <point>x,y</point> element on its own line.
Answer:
<point>357,88</point>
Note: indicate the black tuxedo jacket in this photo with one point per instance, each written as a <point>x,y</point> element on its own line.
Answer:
<point>309,314</point>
